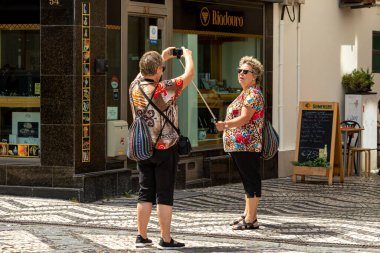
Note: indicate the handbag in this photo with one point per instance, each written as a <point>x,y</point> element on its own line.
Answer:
<point>184,145</point>
<point>270,141</point>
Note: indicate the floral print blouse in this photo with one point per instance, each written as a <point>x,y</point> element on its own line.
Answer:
<point>164,95</point>
<point>247,137</point>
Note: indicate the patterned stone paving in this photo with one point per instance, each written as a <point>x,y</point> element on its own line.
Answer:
<point>302,217</point>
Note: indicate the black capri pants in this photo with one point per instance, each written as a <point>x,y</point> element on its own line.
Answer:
<point>157,176</point>
<point>248,164</point>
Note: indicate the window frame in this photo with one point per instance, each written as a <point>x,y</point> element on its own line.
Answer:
<point>375,52</point>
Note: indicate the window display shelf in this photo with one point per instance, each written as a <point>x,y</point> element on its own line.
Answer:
<point>19,150</point>
<point>228,97</point>
<point>211,97</point>
<point>210,141</point>
<point>14,101</point>
<point>215,99</point>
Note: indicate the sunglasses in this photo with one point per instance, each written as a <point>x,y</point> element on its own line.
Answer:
<point>245,71</point>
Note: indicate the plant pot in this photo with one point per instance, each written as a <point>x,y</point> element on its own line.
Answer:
<point>202,133</point>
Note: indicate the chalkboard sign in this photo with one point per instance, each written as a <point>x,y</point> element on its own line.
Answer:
<point>318,135</point>
<point>315,134</point>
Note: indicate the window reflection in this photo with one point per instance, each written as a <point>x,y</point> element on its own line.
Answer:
<point>217,57</point>
<point>20,63</point>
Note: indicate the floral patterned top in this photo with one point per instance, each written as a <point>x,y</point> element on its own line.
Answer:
<point>247,137</point>
<point>164,97</point>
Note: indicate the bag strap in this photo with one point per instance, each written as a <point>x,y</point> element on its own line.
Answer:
<point>159,136</point>
<point>264,125</point>
<point>162,114</point>
<point>261,136</point>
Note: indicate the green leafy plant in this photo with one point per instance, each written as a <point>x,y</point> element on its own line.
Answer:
<point>317,162</point>
<point>358,81</point>
<point>128,194</point>
<point>74,199</point>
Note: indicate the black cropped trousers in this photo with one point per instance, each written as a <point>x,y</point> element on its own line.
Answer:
<point>157,176</point>
<point>248,165</point>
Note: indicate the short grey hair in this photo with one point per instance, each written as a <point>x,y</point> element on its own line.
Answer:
<point>149,63</point>
<point>257,67</point>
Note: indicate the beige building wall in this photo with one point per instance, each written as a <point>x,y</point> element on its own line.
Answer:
<point>333,41</point>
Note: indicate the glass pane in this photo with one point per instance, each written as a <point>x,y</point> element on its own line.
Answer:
<point>217,57</point>
<point>138,42</point>
<point>19,93</point>
<point>376,62</point>
<point>20,62</point>
<point>376,41</point>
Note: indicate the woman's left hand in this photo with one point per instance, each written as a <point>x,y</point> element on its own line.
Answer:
<point>220,126</point>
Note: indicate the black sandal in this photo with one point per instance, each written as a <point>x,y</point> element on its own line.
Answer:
<point>246,225</point>
<point>238,220</point>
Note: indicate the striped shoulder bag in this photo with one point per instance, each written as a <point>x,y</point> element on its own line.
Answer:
<point>270,141</point>
<point>140,143</point>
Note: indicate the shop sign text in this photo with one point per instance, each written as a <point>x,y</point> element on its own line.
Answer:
<point>220,19</point>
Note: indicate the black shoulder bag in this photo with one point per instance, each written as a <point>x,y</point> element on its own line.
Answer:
<point>184,145</point>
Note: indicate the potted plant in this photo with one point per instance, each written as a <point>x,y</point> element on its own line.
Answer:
<point>358,81</point>
<point>317,162</point>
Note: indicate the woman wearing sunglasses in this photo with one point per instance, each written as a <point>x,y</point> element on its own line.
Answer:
<point>242,135</point>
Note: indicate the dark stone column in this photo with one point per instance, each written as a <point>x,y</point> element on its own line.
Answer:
<point>269,168</point>
<point>61,85</point>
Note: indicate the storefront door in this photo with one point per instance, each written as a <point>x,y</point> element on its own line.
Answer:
<point>141,38</point>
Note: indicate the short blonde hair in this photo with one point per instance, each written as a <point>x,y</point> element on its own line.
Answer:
<point>149,63</point>
<point>257,67</point>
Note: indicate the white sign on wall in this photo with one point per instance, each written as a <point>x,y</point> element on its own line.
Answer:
<point>112,112</point>
<point>26,128</point>
<point>153,34</point>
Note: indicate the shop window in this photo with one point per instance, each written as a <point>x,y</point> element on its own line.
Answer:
<point>216,57</point>
<point>376,52</point>
<point>19,90</point>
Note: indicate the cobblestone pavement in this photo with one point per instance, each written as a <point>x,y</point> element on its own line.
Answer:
<point>301,217</point>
